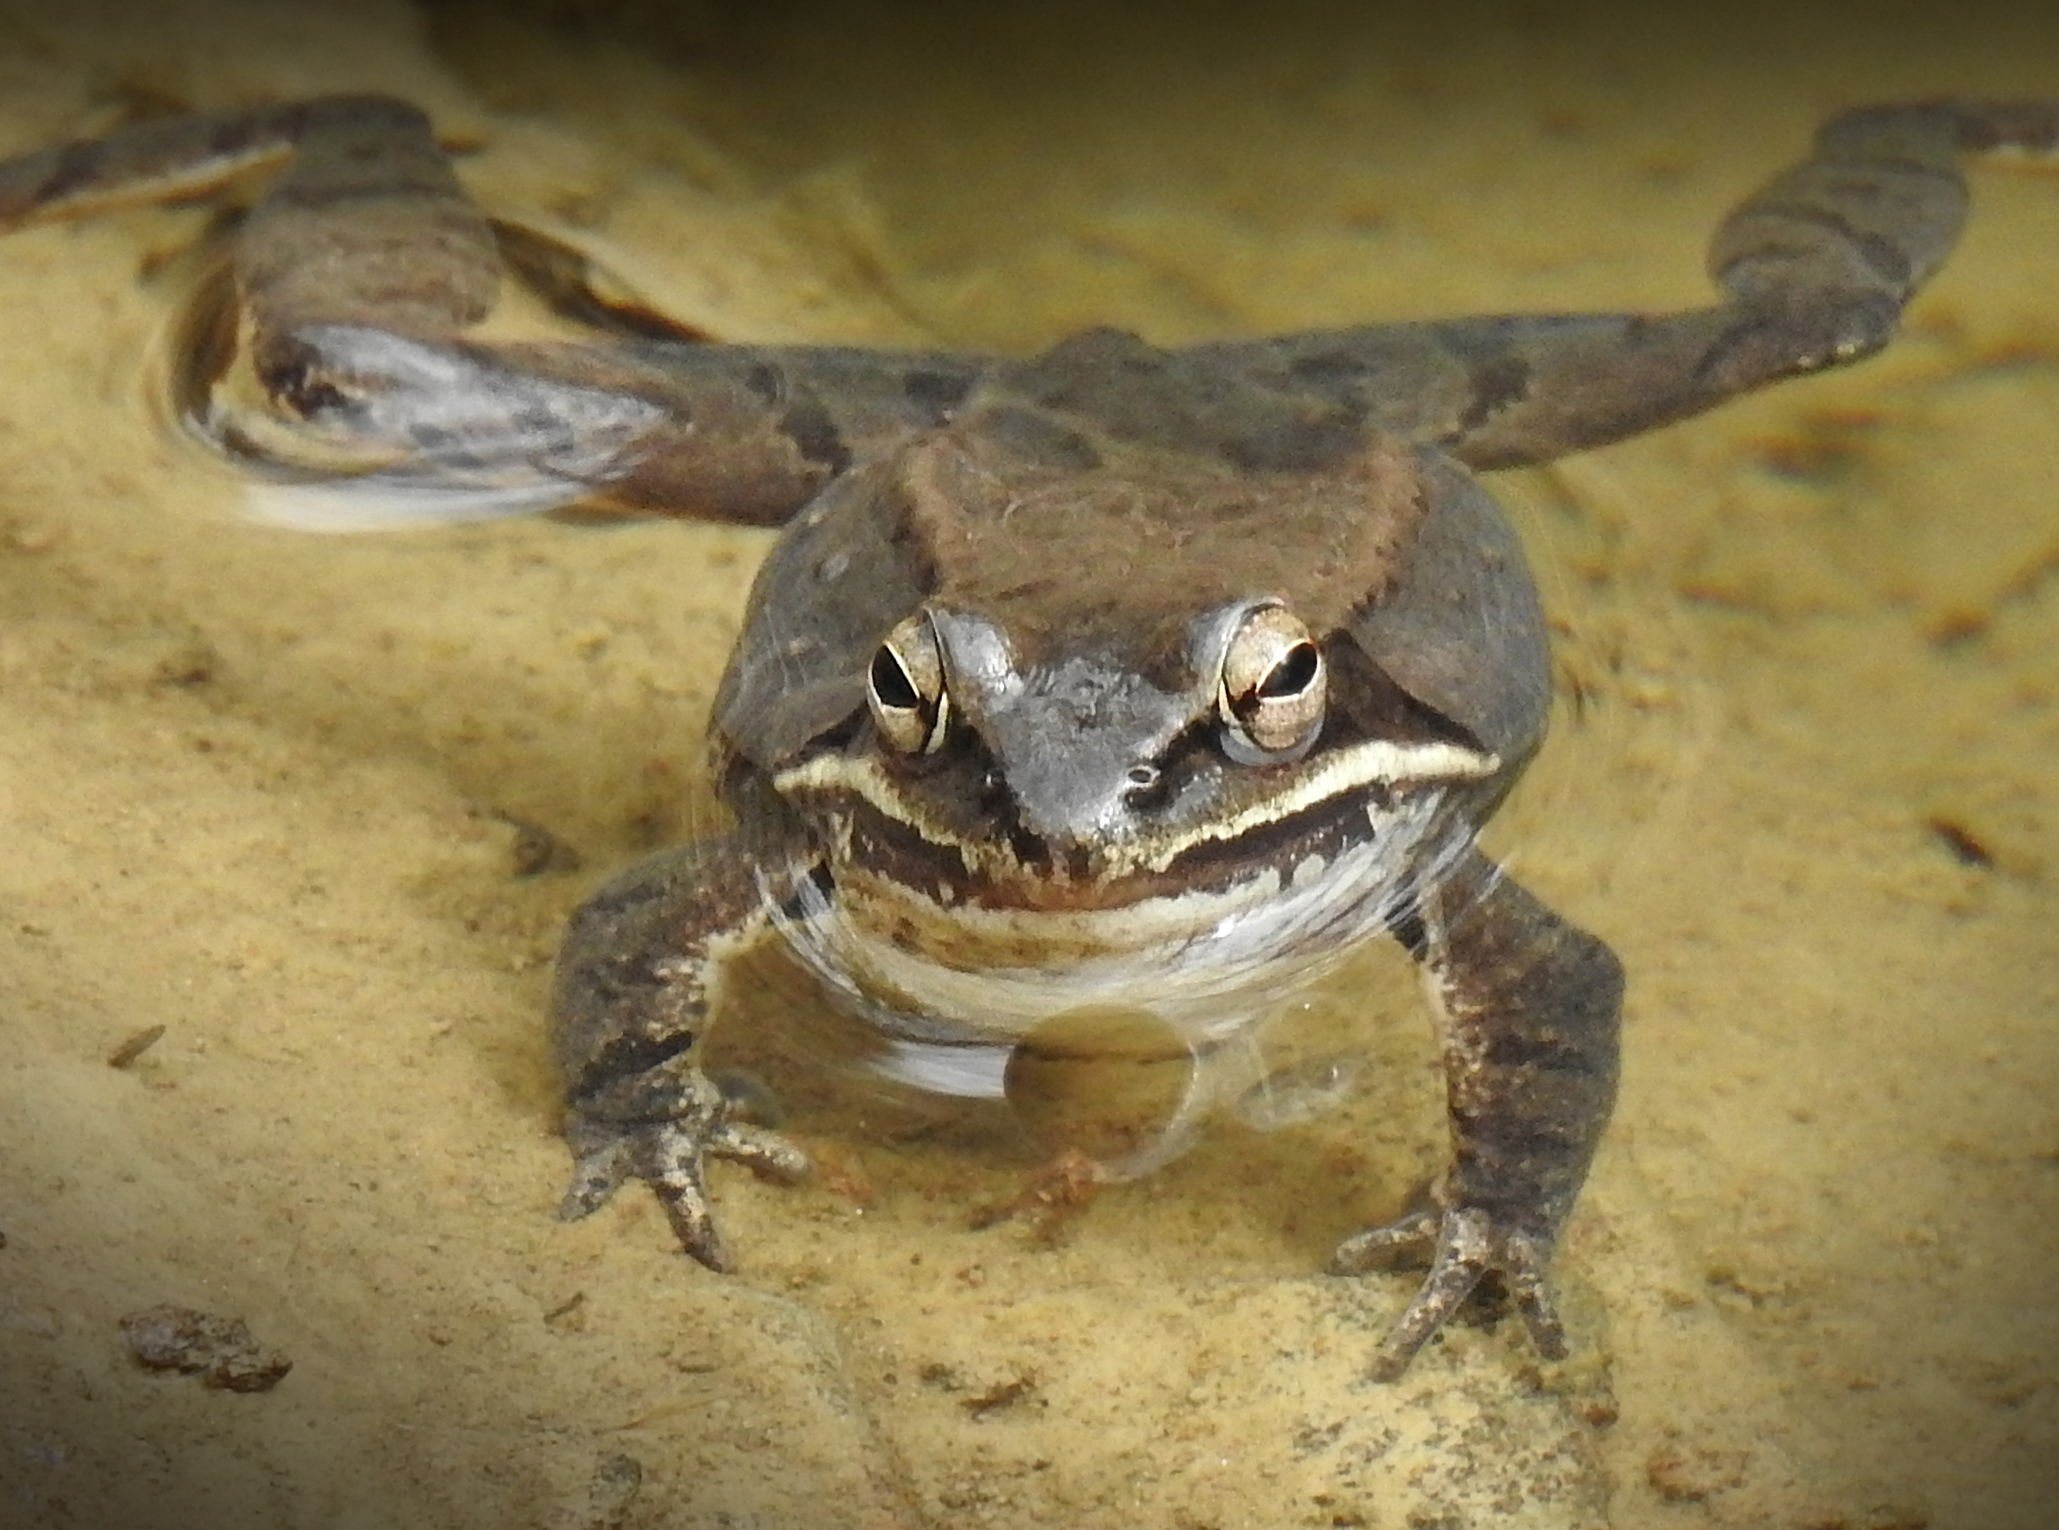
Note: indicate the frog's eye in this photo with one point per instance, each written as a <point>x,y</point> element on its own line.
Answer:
<point>905,688</point>
<point>1274,685</point>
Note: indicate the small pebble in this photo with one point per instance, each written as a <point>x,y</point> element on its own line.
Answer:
<point>221,1351</point>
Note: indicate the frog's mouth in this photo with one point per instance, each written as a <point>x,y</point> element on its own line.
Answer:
<point>1022,872</point>
<point>876,824</point>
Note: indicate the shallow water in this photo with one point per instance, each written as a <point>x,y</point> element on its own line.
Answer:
<point>257,787</point>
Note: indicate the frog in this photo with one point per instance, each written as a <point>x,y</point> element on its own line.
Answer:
<point>1151,676</point>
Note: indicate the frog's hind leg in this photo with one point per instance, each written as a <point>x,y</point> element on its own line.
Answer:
<point>365,223</point>
<point>349,284</point>
<point>1815,269</point>
<point>355,286</point>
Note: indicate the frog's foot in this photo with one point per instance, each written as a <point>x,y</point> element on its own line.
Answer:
<point>668,1156</point>
<point>1463,1247</point>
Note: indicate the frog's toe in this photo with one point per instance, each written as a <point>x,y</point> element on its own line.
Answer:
<point>760,1150</point>
<point>673,1172</point>
<point>1466,1246</point>
<point>602,1159</point>
<point>1408,1240</point>
<point>673,1169</point>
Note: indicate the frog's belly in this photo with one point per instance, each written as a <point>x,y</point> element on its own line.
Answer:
<point>1206,962</point>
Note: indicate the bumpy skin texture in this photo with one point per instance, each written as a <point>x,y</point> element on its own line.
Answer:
<point>1082,532</point>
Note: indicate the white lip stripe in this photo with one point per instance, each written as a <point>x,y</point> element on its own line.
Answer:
<point>1355,767</point>
<point>1378,762</point>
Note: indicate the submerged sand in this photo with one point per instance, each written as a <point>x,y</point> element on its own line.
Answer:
<point>256,788</point>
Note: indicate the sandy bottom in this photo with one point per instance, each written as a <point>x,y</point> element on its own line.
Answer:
<point>255,788</point>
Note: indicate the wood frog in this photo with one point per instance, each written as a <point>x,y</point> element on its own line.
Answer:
<point>1119,674</point>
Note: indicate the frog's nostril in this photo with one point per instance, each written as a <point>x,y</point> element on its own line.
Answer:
<point>1143,787</point>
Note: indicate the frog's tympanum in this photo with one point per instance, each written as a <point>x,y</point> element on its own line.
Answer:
<point>1123,675</point>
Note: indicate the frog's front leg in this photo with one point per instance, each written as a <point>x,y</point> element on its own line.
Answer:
<point>1529,1007</point>
<point>640,972</point>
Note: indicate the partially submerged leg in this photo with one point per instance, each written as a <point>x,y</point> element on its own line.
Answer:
<point>364,223</point>
<point>1815,268</point>
<point>355,281</point>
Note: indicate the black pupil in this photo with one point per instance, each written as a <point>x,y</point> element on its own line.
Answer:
<point>890,682</point>
<point>1292,675</point>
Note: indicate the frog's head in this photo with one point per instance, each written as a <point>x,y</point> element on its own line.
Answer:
<point>1105,684</point>
<point>1072,771</point>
